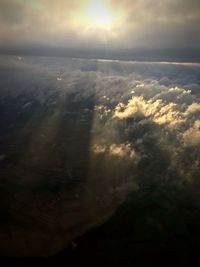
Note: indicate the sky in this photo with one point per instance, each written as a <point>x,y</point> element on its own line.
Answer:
<point>101,25</point>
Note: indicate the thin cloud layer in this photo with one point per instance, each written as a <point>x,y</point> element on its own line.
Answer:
<point>144,24</point>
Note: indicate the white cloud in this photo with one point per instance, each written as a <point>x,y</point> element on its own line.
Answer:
<point>193,108</point>
<point>124,150</point>
<point>158,111</point>
<point>99,149</point>
<point>192,135</point>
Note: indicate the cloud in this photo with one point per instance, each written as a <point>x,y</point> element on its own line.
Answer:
<point>158,111</point>
<point>122,151</point>
<point>193,108</point>
<point>128,95</point>
<point>192,135</point>
<point>120,126</point>
<point>117,150</point>
<point>99,149</point>
<point>145,24</point>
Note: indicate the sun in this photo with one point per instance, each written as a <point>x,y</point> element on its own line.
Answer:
<point>99,14</point>
<point>94,15</point>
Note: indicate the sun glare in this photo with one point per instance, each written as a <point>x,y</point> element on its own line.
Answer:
<point>94,15</point>
<point>98,14</point>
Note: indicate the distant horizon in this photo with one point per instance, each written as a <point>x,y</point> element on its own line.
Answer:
<point>139,54</point>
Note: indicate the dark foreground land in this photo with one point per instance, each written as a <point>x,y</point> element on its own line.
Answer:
<point>147,230</point>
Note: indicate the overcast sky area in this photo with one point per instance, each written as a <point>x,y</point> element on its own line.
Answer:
<point>107,25</point>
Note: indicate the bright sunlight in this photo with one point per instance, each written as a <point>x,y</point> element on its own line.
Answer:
<point>99,14</point>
